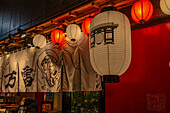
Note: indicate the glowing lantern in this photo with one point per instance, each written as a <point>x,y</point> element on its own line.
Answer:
<point>165,6</point>
<point>73,32</point>
<point>57,36</point>
<point>142,11</point>
<point>39,41</point>
<point>86,25</point>
<point>110,43</point>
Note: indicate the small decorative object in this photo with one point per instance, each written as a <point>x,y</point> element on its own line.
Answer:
<point>142,11</point>
<point>86,25</point>
<point>73,32</point>
<point>110,43</point>
<point>165,6</point>
<point>57,36</point>
<point>39,41</point>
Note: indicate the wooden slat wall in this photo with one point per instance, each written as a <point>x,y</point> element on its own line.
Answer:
<point>1,15</point>
<point>6,17</point>
<point>16,10</point>
<point>27,13</point>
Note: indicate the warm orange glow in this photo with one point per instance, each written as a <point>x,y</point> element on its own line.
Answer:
<point>142,11</point>
<point>57,36</point>
<point>86,25</point>
<point>168,25</point>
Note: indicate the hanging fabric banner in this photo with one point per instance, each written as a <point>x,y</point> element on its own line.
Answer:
<point>9,70</point>
<point>1,74</point>
<point>48,69</point>
<point>27,76</point>
<point>90,80</point>
<point>78,74</point>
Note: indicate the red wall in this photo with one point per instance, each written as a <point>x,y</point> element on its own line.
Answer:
<point>145,86</point>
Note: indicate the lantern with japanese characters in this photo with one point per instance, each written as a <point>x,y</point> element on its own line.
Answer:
<point>110,42</point>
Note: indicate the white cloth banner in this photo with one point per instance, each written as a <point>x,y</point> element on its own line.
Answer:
<point>27,76</point>
<point>78,74</point>
<point>9,70</point>
<point>0,74</point>
<point>48,69</point>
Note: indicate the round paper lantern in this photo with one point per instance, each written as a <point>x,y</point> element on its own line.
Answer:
<point>57,36</point>
<point>39,41</point>
<point>73,32</point>
<point>110,43</point>
<point>86,25</point>
<point>165,6</point>
<point>142,11</point>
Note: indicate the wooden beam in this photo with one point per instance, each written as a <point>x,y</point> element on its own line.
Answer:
<point>40,28</point>
<point>66,23</point>
<point>55,22</point>
<point>95,5</point>
<point>16,44</point>
<point>72,14</point>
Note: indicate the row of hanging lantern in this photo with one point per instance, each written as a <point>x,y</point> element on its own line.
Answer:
<point>141,12</point>
<point>110,36</point>
<point>73,32</point>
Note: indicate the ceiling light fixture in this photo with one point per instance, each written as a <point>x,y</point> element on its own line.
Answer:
<point>22,33</point>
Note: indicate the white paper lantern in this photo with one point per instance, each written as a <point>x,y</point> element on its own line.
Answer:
<point>39,41</point>
<point>110,43</point>
<point>165,6</point>
<point>73,32</point>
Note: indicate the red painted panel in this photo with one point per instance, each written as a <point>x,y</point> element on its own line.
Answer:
<point>145,86</point>
<point>39,99</point>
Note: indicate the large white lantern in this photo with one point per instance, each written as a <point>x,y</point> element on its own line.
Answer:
<point>165,6</point>
<point>39,41</point>
<point>73,32</point>
<point>110,42</point>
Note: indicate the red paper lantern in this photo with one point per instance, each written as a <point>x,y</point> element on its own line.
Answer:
<point>57,36</point>
<point>142,11</point>
<point>86,25</point>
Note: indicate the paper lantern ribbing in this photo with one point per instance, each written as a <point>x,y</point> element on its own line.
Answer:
<point>110,43</point>
<point>142,11</point>
<point>39,41</point>
<point>165,6</point>
<point>57,36</point>
<point>73,32</point>
<point>86,25</point>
